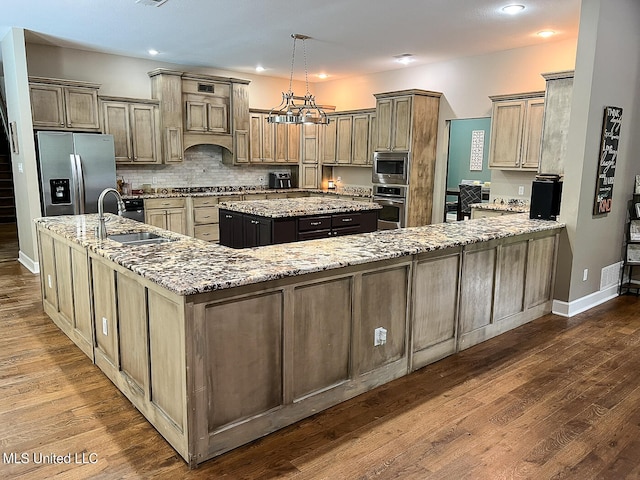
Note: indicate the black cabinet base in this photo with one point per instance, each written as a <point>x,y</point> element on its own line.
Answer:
<point>238,230</point>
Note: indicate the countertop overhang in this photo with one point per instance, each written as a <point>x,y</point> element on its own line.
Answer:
<point>188,266</point>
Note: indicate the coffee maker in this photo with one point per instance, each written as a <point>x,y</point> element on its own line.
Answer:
<point>279,180</point>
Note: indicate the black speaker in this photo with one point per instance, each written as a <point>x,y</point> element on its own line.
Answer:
<point>546,193</point>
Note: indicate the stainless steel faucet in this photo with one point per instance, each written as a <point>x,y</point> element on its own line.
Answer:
<point>101,231</point>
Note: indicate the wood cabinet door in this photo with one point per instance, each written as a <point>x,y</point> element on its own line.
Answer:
<point>506,134</point>
<point>293,143</point>
<point>373,131</point>
<point>255,137</point>
<point>268,140</point>
<point>144,134</point>
<point>177,220</point>
<point>47,106</point>
<point>81,108</point>
<point>115,119</point>
<point>310,143</point>
<point>280,142</point>
<point>361,140</point>
<point>309,175</point>
<point>384,125</point>
<point>173,145</point>
<point>401,126</point>
<point>156,217</point>
<point>241,142</point>
<point>196,116</point>
<point>532,134</point>
<point>329,133</point>
<point>343,139</point>
<point>217,118</point>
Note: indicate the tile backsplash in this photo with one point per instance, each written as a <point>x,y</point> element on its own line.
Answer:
<point>202,166</point>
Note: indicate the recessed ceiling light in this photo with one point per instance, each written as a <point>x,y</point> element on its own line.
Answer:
<point>153,52</point>
<point>323,75</point>
<point>513,9</point>
<point>259,69</point>
<point>546,33</point>
<point>405,58</point>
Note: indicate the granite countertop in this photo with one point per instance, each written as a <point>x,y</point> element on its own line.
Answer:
<point>502,207</point>
<point>298,207</point>
<point>190,266</point>
<point>232,191</point>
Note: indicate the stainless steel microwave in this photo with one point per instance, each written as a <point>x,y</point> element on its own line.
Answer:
<point>391,167</point>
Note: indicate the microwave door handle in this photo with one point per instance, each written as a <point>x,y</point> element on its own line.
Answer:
<point>80,173</point>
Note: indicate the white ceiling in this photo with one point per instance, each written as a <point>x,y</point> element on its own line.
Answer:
<point>349,37</point>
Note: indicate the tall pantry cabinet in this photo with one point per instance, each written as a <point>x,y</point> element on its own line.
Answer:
<point>407,121</point>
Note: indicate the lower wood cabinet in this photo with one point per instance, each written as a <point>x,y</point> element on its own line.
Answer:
<point>215,370</point>
<point>167,213</point>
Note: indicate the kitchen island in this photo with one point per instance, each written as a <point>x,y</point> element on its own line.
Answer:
<point>254,223</point>
<point>218,346</point>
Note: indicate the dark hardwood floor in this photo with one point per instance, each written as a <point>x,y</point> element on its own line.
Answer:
<point>556,399</point>
<point>8,242</point>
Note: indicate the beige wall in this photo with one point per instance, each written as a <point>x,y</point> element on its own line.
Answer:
<point>607,74</point>
<point>466,84</point>
<point>25,174</point>
<point>127,76</point>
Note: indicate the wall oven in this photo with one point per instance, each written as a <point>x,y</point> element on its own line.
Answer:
<point>391,167</point>
<point>392,198</point>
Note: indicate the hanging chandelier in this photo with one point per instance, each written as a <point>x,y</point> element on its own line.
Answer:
<point>306,110</point>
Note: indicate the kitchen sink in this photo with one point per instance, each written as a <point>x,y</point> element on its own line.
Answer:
<point>139,238</point>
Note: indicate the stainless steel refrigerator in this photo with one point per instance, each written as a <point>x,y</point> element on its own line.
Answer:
<point>74,168</point>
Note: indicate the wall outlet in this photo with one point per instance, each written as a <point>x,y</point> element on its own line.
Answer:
<point>521,190</point>
<point>49,281</point>
<point>585,274</point>
<point>20,168</point>
<point>379,336</point>
<point>154,180</point>
<point>105,327</point>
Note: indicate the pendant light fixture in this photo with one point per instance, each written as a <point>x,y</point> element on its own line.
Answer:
<point>306,111</point>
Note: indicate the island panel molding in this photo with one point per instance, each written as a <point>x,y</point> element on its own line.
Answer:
<point>215,338</point>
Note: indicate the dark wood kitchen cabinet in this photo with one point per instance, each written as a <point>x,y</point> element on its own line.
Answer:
<point>239,230</point>
<point>231,225</point>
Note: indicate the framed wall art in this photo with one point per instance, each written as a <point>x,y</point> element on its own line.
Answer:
<point>607,162</point>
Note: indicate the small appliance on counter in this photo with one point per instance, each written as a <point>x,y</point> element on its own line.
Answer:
<point>279,180</point>
<point>546,193</point>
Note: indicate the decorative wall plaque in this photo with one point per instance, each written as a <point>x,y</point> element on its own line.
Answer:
<point>477,150</point>
<point>608,157</point>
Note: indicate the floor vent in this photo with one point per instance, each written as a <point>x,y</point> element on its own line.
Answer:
<point>610,275</point>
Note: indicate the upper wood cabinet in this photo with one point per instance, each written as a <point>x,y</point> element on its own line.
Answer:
<point>202,110</point>
<point>272,142</point>
<point>516,131</point>
<point>64,104</point>
<point>555,125</point>
<point>134,126</point>
<point>347,138</point>
<point>394,122</point>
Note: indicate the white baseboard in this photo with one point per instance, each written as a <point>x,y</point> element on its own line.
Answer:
<point>569,309</point>
<point>34,267</point>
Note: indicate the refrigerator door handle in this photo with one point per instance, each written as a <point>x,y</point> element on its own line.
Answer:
<point>74,181</point>
<point>80,182</point>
